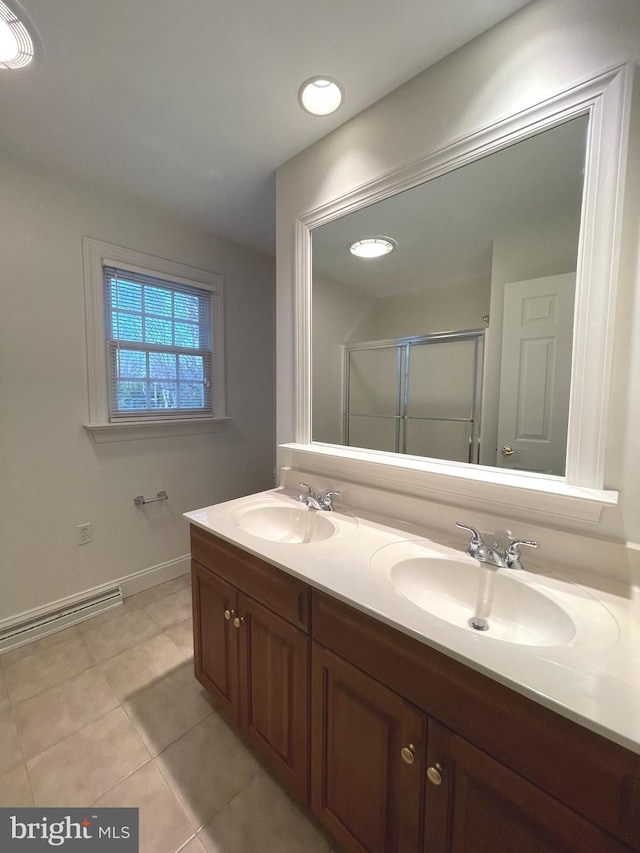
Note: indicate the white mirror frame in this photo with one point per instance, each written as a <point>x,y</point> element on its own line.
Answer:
<point>580,494</point>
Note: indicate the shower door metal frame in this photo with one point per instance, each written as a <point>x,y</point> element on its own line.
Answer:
<point>401,417</point>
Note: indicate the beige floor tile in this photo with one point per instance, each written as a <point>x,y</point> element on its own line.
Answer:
<point>140,599</point>
<point>39,645</point>
<point>178,583</point>
<point>81,768</point>
<point>104,618</point>
<point>60,711</point>
<point>10,752</point>
<point>164,827</point>
<point>168,709</point>
<point>206,768</point>
<point>193,846</point>
<point>171,609</point>
<point>182,636</point>
<point>15,790</point>
<point>276,824</point>
<point>106,641</point>
<point>4,691</point>
<point>142,666</point>
<point>31,675</point>
<point>298,833</point>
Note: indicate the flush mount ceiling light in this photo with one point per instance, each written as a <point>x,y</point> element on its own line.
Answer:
<point>320,95</point>
<point>16,46</point>
<point>372,247</point>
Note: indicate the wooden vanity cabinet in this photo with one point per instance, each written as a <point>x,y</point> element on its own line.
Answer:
<point>502,772</point>
<point>362,789</point>
<point>251,652</point>
<point>216,645</point>
<point>410,750</point>
<point>274,691</point>
<point>482,806</point>
<point>389,779</point>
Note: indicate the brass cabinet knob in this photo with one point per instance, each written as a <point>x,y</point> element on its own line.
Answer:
<point>434,774</point>
<point>408,754</point>
<point>238,620</point>
<point>228,614</point>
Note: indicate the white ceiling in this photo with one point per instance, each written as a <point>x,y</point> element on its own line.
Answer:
<point>445,228</point>
<point>193,104</point>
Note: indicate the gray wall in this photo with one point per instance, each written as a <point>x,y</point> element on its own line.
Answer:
<point>53,474</point>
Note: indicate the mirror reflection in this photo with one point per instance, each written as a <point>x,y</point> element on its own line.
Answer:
<point>455,341</point>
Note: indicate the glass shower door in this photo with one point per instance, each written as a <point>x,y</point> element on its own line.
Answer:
<point>441,399</point>
<point>372,410</point>
<point>419,395</point>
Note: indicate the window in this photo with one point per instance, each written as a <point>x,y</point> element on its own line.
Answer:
<point>158,346</point>
<point>155,343</point>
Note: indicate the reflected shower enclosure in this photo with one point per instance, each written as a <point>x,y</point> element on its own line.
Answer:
<point>418,395</point>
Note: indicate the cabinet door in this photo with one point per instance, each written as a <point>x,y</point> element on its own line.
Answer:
<point>216,644</point>
<point>482,806</point>
<point>363,790</point>
<point>274,687</point>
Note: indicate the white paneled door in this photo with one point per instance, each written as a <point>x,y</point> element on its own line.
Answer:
<point>536,374</point>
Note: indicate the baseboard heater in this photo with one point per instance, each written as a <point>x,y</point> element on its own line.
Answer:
<point>21,633</point>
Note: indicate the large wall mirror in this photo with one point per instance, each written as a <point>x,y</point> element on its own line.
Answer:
<point>474,360</point>
<point>457,343</point>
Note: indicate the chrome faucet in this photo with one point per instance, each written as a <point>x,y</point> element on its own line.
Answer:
<point>479,550</point>
<point>322,501</point>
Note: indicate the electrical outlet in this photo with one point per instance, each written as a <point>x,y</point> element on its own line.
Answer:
<point>83,534</point>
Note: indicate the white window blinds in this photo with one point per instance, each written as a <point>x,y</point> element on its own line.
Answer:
<point>159,347</point>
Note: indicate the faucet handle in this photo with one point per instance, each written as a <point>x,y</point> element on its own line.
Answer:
<point>327,498</point>
<point>475,542</point>
<point>310,489</point>
<point>512,552</point>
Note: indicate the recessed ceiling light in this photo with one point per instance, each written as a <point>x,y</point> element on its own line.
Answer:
<point>372,247</point>
<point>320,95</point>
<point>16,46</point>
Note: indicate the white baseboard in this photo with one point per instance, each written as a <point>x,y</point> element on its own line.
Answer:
<point>154,575</point>
<point>129,584</point>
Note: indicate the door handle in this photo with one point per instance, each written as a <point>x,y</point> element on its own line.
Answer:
<point>508,451</point>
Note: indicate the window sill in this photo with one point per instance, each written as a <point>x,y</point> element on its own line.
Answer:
<point>135,430</point>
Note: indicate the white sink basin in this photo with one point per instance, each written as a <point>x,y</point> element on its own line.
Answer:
<point>522,611</point>
<point>290,523</point>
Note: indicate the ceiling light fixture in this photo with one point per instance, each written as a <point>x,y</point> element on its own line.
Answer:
<point>320,95</point>
<point>16,45</point>
<point>372,247</point>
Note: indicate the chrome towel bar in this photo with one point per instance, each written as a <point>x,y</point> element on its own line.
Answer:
<point>140,500</point>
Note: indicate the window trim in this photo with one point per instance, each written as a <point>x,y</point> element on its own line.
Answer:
<point>96,255</point>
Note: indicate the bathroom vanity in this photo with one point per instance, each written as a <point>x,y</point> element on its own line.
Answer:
<point>425,734</point>
<point>403,731</point>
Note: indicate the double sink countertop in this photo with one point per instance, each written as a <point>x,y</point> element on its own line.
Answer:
<point>590,675</point>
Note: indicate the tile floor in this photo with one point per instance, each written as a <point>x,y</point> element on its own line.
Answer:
<point>108,713</point>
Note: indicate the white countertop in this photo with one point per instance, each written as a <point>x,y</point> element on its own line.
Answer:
<point>593,680</point>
